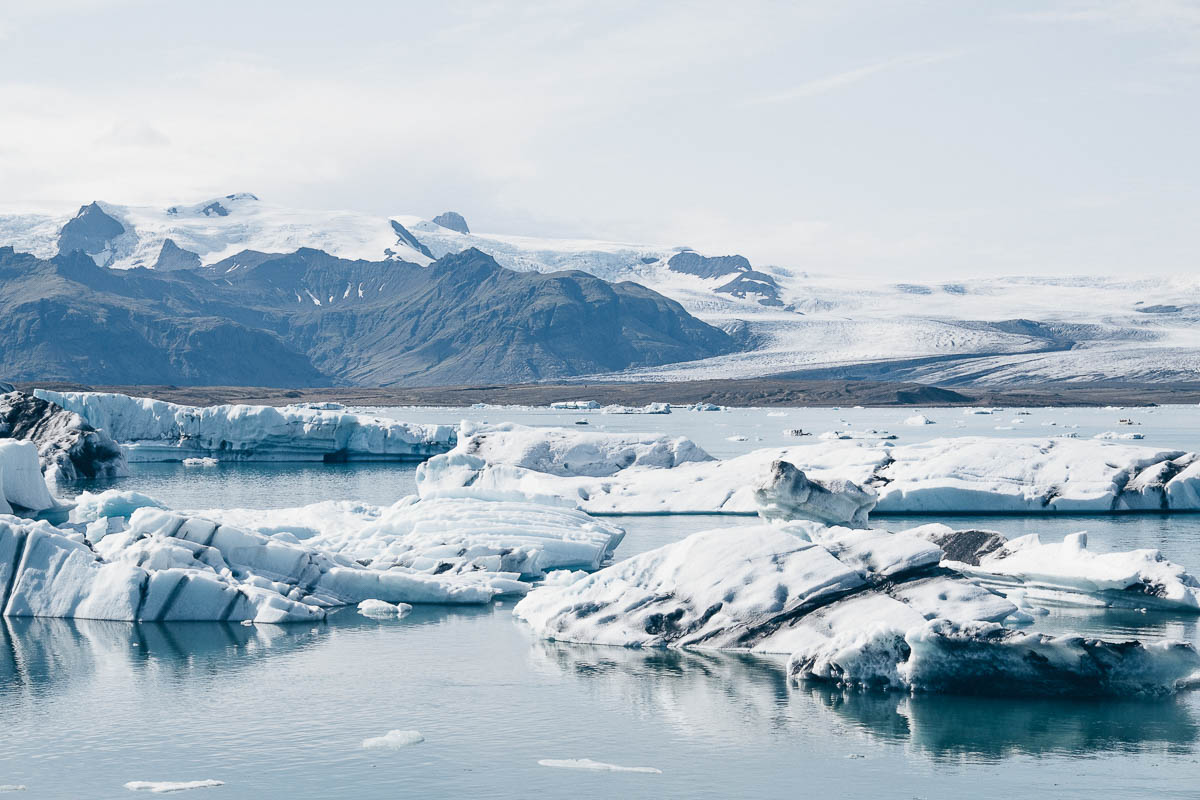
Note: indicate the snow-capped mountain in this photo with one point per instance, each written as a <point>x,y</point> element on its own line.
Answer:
<point>982,331</point>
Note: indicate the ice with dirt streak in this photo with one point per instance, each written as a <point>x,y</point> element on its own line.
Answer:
<point>155,430</point>
<point>604,474</point>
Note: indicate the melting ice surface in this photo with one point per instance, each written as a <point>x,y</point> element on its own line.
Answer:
<point>277,711</point>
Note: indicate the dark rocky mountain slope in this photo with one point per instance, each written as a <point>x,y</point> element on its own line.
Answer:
<point>309,318</point>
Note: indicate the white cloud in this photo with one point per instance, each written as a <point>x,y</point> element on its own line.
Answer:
<point>849,77</point>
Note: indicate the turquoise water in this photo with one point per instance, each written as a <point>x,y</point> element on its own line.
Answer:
<point>281,711</point>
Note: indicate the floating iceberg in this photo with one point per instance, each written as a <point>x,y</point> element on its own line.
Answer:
<point>856,607</point>
<point>154,430</point>
<point>21,483</point>
<point>595,766</point>
<point>163,565</point>
<point>165,787</point>
<point>442,536</point>
<point>393,740</point>
<point>69,448</point>
<point>950,475</point>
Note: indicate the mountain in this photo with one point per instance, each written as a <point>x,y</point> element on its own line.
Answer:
<point>309,318</point>
<point>965,332</point>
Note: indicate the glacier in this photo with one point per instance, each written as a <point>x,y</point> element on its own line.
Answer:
<point>949,475</point>
<point>155,430</point>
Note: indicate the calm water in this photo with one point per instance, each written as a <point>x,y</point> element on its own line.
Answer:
<point>281,711</point>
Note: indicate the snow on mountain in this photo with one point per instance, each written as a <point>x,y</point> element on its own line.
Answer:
<point>987,331</point>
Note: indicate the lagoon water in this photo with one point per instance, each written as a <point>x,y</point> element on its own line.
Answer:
<point>281,711</point>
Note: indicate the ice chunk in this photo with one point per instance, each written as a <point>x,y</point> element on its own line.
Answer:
<point>153,430</point>
<point>381,610</point>
<point>1069,573</point>
<point>201,462</point>
<point>986,658</point>
<point>91,507</point>
<point>598,766</point>
<point>21,482</point>
<point>393,740</point>
<point>788,494</point>
<point>918,419</point>
<point>163,787</point>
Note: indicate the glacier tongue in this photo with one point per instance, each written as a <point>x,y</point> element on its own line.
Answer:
<point>154,430</point>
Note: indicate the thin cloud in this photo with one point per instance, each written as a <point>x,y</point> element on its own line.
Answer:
<point>839,80</point>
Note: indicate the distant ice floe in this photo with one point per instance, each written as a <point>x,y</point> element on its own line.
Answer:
<point>164,787</point>
<point>918,420</point>
<point>596,766</point>
<point>393,740</point>
<point>200,462</point>
<point>614,474</point>
<point>866,608</point>
<point>154,430</point>
<point>378,609</point>
<point>122,556</point>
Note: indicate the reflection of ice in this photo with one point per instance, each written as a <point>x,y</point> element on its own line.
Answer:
<point>738,697</point>
<point>974,728</point>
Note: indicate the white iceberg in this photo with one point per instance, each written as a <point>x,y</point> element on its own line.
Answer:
<point>378,609</point>
<point>918,420</point>
<point>21,482</point>
<point>856,607</point>
<point>68,447</point>
<point>154,430</point>
<point>949,475</point>
<point>442,535</point>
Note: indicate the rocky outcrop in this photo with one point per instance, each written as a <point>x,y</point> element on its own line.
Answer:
<point>68,447</point>
<point>452,220</point>
<point>745,281</point>
<point>172,256</point>
<point>91,230</point>
<point>407,238</point>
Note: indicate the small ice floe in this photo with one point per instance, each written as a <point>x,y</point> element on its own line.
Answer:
<point>705,407</point>
<point>1127,421</point>
<point>870,434</point>
<point>581,422</point>
<point>797,432</point>
<point>598,766</point>
<point>1004,427</point>
<point>163,787</point>
<point>393,740</point>
<point>200,462</point>
<point>737,437</point>
<point>1116,435</point>
<point>379,609</point>
<point>919,419</point>
<point>11,787</point>
<point>978,411</point>
<point>776,413</point>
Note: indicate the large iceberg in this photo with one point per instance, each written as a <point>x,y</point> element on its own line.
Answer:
<point>154,430</point>
<point>442,535</point>
<point>857,607</point>
<point>69,448</point>
<point>952,475</point>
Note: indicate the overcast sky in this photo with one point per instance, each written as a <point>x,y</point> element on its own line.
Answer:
<point>882,138</point>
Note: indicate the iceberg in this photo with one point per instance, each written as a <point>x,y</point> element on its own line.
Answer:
<point>21,483</point>
<point>949,475</point>
<point>165,787</point>
<point>855,607</point>
<point>161,565</point>
<point>69,448</point>
<point>442,535</point>
<point>154,430</point>
<point>393,740</point>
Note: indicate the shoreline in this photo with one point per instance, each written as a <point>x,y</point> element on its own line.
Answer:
<point>752,392</point>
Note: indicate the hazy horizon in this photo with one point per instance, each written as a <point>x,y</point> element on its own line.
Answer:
<point>895,140</point>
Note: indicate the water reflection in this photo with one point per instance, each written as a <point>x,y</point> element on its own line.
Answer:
<point>739,697</point>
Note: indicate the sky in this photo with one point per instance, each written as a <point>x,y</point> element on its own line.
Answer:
<point>876,138</point>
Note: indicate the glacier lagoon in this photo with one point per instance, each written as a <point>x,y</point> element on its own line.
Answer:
<point>282,710</point>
